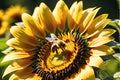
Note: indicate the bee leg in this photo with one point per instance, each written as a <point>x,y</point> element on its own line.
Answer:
<point>56,51</point>
<point>62,46</point>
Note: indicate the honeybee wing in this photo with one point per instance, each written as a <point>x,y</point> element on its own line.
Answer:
<point>49,39</point>
<point>52,38</point>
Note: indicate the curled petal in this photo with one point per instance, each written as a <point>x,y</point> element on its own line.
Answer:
<point>18,65</point>
<point>95,21</point>
<point>88,20</point>
<point>60,13</point>
<point>99,41</point>
<point>102,24</point>
<point>98,27</point>
<point>22,36</point>
<point>33,24</point>
<point>47,18</point>
<point>96,61</point>
<point>20,45</point>
<point>102,37</point>
<point>102,50</point>
<point>14,55</point>
<point>105,32</point>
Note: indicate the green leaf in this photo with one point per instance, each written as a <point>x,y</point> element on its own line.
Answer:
<point>3,44</point>
<point>112,66</point>
<point>1,56</point>
<point>115,24</point>
<point>104,75</point>
<point>117,79</point>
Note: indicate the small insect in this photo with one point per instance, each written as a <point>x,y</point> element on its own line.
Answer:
<point>56,43</point>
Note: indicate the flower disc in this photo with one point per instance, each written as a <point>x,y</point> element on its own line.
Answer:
<point>64,61</point>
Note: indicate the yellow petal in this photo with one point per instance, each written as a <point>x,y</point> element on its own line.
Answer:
<point>71,22</point>
<point>95,21</point>
<point>106,32</point>
<point>96,61</point>
<point>35,77</point>
<point>18,65</point>
<point>30,77</point>
<point>83,17</point>
<point>86,73</point>
<point>60,13</point>
<point>72,8</point>
<point>23,74</point>
<point>14,77</point>
<point>22,36</point>
<point>35,14</point>
<point>99,41</point>
<point>47,18</point>
<point>88,20</point>
<point>33,24</point>
<point>20,45</point>
<point>98,27</point>
<point>102,50</point>
<point>14,55</point>
<point>77,14</point>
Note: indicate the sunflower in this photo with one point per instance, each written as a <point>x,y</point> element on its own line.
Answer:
<point>13,15</point>
<point>63,44</point>
<point>2,23</point>
<point>1,18</point>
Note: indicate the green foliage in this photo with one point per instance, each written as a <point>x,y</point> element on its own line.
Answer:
<point>112,66</point>
<point>3,44</point>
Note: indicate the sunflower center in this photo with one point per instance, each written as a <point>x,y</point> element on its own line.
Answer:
<point>57,58</point>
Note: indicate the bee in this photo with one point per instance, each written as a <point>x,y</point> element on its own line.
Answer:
<point>56,43</point>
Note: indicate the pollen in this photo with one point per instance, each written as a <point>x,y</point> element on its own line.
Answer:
<point>69,55</point>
